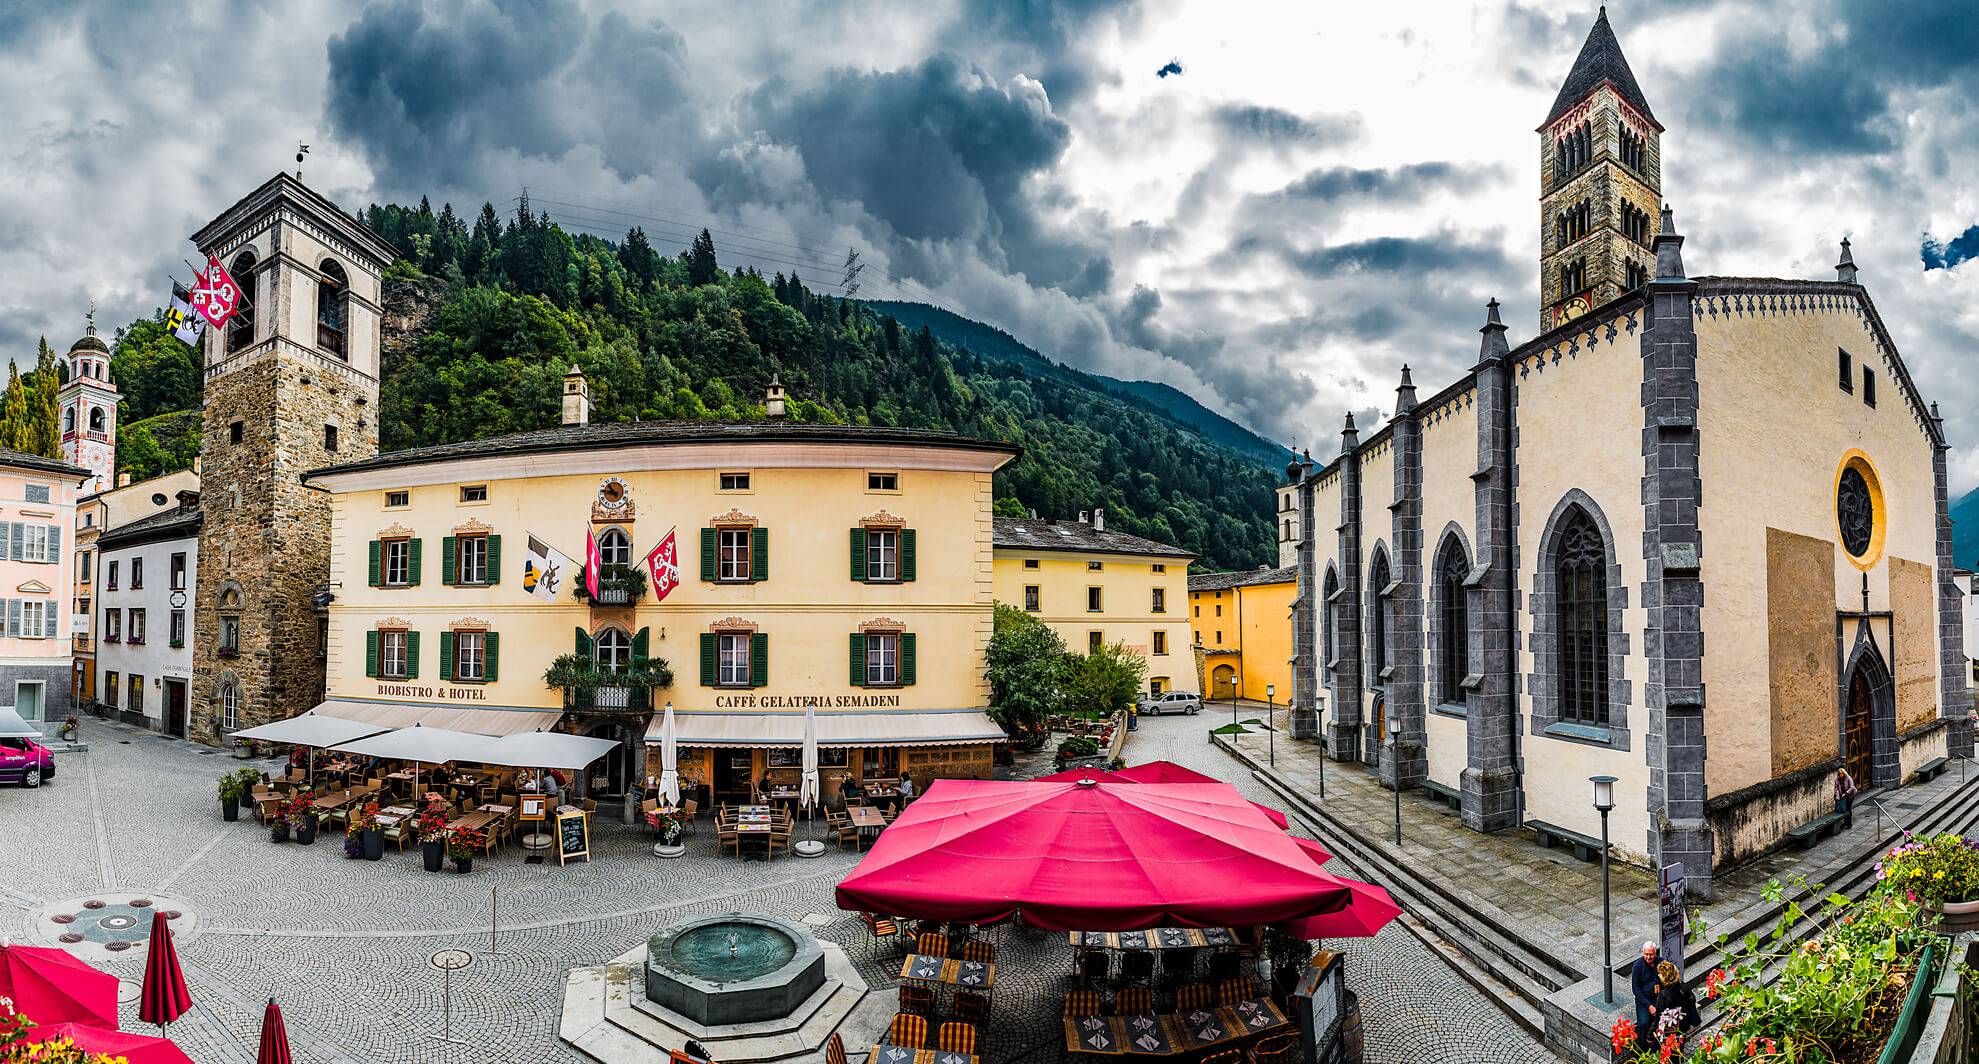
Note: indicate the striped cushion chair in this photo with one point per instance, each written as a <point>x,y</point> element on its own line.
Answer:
<point>834,1049</point>
<point>1193,996</point>
<point>881,928</point>
<point>1083,1003</point>
<point>908,1030</point>
<point>1133,1001</point>
<point>1231,991</point>
<point>979,949</point>
<point>931,944</point>
<point>957,1037</point>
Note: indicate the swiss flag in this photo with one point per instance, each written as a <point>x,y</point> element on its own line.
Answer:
<point>663,564</point>
<point>592,562</point>
<point>214,294</point>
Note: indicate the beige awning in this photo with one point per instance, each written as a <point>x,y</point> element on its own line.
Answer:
<point>481,720</point>
<point>894,727</point>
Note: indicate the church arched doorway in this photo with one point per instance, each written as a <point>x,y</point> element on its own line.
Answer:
<point>1868,724</point>
<point>1857,746</point>
<point>1377,731</point>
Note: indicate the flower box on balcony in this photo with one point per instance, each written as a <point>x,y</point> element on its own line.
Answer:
<point>618,585</point>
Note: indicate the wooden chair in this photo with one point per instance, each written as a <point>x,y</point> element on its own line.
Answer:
<point>402,832</point>
<point>908,1030</point>
<point>1193,996</point>
<point>957,1037</point>
<point>649,815</point>
<point>834,1049</point>
<point>1231,991</point>
<point>882,929</point>
<point>971,1006</point>
<point>845,832</point>
<point>1275,1049</point>
<point>931,944</point>
<point>1133,1001</point>
<point>1083,1003</point>
<point>979,949</point>
<point>1227,1056</point>
<point>688,810</point>
<point>726,836</point>
<point>917,998</point>
<point>778,840</point>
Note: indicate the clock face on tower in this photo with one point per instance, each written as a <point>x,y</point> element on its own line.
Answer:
<point>1570,309</point>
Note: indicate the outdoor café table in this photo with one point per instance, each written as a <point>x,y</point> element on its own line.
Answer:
<point>338,800</point>
<point>497,809</point>
<point>1155,938</point>
<point>976,975</point>
<point>866,818</point>
<point>888,1054</point>
<point>1169,1034</point>
<point>472,821</point>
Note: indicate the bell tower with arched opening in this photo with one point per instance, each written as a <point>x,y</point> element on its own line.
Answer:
<point>88,402</point>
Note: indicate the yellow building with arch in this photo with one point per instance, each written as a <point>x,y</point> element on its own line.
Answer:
<point>1243,625</point>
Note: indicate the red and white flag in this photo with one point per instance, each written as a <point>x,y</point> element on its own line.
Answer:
<point>593,561</point>
<point>663,564</point>
<point>214,294</point>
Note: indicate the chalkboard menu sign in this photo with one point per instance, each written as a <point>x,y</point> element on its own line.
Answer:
<point>573,836</point>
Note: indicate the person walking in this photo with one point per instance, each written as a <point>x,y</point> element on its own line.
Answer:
<point>1643,983</point>
<point>1676,1004</point>
<point>1845,793</point>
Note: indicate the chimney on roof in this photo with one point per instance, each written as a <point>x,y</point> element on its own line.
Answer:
<point>1099,519</point>
<point>188,498</point>
<point>576,398</point>
<point>124,479</point>
<point>773,400</point>
<point>1085,518</point>
<point>195,465</point>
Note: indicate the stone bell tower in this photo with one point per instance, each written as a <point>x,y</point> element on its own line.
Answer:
<point>290,385</point>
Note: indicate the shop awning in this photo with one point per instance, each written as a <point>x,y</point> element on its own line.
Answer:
<point>489,720</point>
<point>894,727</point>
<point>312,729</point>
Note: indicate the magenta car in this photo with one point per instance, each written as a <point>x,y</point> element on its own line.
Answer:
<point>24,761</point>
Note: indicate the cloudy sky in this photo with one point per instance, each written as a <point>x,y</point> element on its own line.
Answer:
<point>1271,206</point>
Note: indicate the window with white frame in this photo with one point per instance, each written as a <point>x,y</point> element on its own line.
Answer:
<point>732,660</point>
<point>34,543</point>
<point>113,626</point>
<point>178,628</point>
<point>137,627</point>
<point>734,554</point>
<point>230,706</point>
<point>613,650</point>
<point>882,659</point>
<point>470,655</point>
<point>36,618</point>
<point>391,654</point>
<point>179,571</point>
<point>882,554</point>
<point>615,547</point>
<point>137,574</point>
<point>398,562</point>
<point>472,567</point>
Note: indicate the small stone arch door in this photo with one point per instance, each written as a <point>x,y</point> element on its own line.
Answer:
<point>1378,726</point>
<point>1223,682</point>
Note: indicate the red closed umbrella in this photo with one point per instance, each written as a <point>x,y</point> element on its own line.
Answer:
<point>1154,772</point>
<point>274,1037</point>
<point>52,986</point>
<point>132,1048</point>
<point>165,995</point>
<point>1090,856</point>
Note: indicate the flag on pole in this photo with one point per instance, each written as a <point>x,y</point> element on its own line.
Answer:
<point>214,294</point>
<point>593,561</point>
<point>181,320</point>
<point>663,565</point>
<point>543,570</point>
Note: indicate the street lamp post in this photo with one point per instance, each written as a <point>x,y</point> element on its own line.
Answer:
<point>1395,761</point>
<point>1271,722</point>
<point>1319,723</point>
<point>1604,802</point>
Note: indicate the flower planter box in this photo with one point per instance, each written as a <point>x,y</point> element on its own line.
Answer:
<point>1957,916</point>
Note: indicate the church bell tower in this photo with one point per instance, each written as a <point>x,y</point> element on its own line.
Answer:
<point>88,400</point>
<point>1600,184</point>
<point>290,385</point>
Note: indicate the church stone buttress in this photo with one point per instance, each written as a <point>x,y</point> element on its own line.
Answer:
<point>290,385</point>
<point>1600,184</point>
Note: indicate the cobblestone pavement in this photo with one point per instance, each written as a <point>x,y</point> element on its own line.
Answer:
<point>344,945</point>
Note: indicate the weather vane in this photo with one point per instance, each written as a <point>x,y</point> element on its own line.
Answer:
<point>91,316</point>
<point>301,150</point>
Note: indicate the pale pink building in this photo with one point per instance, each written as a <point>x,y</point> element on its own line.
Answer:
<point>37,510</point>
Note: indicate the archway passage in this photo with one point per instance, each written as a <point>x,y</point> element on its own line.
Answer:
<point>620,766</point>
<point>1858,745</point>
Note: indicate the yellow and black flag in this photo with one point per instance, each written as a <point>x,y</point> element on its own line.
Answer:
<point>181,319</point>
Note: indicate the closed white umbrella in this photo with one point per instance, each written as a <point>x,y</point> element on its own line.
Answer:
<point>807,787</point>
<point>669,759</point>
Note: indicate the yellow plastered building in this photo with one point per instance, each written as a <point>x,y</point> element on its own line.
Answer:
<point>1094,585</point>
<point>1243,623</point>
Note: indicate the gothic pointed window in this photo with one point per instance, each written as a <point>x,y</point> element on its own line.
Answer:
<point>332,308</point>
<point>1377,619</point>
<point>240,328</point>
<point>1581,589</point>
<point>1453,616</point>
<point>1328,651</point>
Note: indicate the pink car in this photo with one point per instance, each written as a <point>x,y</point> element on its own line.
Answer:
<point>24,761</point>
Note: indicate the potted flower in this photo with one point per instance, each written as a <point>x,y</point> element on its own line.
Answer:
<point>462,845</point>
<point>1941,873</point>
<point>433,838</point>
<point>235,786</point>
<point>364,822</point>
<point>287,812</point>
<point>303,824</point>
<point>353,843</point>
<point>243,750</point>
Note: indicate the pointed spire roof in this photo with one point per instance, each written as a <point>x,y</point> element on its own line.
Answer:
<point>1600,60</point>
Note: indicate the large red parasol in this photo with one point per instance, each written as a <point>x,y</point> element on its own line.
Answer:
<point>132,1048</point>
<point>1367,908</point>
<point>1152,772</point>
<point>165,996</point>
<point>1090,856</point>
<point>274,1037</point>
<point>51,986</point>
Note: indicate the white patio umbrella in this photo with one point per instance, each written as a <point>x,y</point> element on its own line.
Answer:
<point>807,788</point>
<point>669,759</point>
<point>421,746</point>
<point>13,727</point>
<point>312,731</point>
<point>543,749</point>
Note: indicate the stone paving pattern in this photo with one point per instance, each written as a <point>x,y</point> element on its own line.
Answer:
<point>344,945</point>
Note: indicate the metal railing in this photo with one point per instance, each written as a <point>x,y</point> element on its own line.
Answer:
<point>609,699</point>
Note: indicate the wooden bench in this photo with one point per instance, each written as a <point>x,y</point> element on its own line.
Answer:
<point>1819,828</point>
<point>1585,848</point>
<point>1931,769</point>
<point>1449,796</point>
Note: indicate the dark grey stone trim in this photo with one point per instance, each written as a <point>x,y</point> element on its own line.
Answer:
<point>1588,734</point>
<point>1372,739</point>
<point>1954,694</point>
<point>1410,765</point>
<point>1491,797</point>
<point>1343,726</point>
<point>1544,682</point>
<point>1885,768</point>
<point>1305,653</point>
<point>1449,709</point>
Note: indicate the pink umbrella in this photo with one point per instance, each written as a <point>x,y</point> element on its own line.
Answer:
<point>1090,856</point>
<point>165,996</point>
<point>133,1048</point>
<point>52,986</point>
<point>1153,772</point>
<point>1366,910</point>
<point>274,1037</point>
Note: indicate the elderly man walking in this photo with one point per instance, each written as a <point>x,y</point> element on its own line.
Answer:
<point>1644,983</point>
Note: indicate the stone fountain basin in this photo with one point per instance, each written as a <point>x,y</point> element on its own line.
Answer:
<point>775,966</point>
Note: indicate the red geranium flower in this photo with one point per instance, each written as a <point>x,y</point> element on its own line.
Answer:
<point>1622,1035</point>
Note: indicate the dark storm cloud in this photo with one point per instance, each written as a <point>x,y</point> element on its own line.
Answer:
<point>1401,182</point>
<point>1447,252</point>
<point>1272,125</point>
<point>1045,40</point>
<point>1134,323</point>
<point>1947,254</point>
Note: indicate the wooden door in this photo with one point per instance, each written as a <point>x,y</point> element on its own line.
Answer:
<point>1380,730</point>
<point>175,708</point>
<point>1855,729</point>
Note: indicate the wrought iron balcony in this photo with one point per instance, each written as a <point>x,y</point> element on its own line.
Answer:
<point>609,699</point>
<point>618,586</point>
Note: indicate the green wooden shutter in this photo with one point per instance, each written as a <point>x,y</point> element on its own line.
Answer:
<point>413,552</point>
<point>859,555</point>
<point>371,654</point>
<point>447,559</point>
<point>708,554</point>
<point>642,641</point>
<point>906,659</point>
<point>759,659</point>
<point>585,645</point>
<point>412,655</point>
<point>446,655</point>
<point>858,659</point>
<point>493,655</point>
<point>377,563</point>
<point>707,659</point>
<point>906,554</point>
<point>759,554</point>
<point>494,559</point>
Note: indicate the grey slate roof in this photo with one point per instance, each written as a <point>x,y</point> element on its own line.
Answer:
<point>1600,60</point>
<point>1284,574</point>
<point>612,435</point>
<point>1023,533</point>
<point>175,523</point>
<point>23,460</point>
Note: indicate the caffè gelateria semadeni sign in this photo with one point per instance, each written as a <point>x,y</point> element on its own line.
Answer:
<point>756,701</point>
<point>448,694</point>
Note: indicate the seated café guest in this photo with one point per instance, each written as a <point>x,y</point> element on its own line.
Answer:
<point>763,785</point>
<point>850,790</point>
<point>906,787</point>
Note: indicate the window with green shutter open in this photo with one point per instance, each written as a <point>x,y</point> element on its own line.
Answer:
<point>735,555</point>
<point>735,659</point>
<point>883,555</point>
<point>882,659</point>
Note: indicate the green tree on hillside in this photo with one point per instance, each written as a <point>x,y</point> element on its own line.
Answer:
<point>701,267</point>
